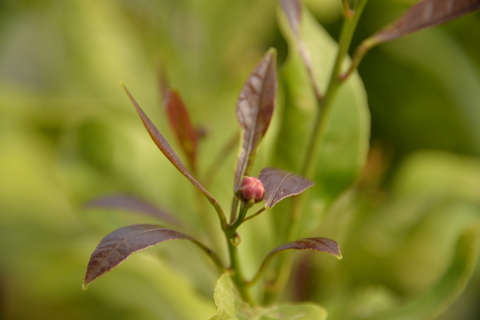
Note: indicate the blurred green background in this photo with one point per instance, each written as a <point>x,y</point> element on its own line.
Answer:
<point>68,134</point>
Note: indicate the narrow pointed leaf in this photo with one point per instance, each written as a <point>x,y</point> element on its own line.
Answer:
<point>121,243</point>
<point>424,14</point>
<point>182,126</point>
<point>280,184</point>
<point>126,202</point>
<point>163,145</point>
<point>254,110</point>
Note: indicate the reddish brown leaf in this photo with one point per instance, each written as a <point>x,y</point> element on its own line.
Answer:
<point>163,145</point>
<point>254,110</point>
<point>125,202</point>
<point>319,244</point>
<point>181,125</point>
<point>424,14</point>
<point>121,243</point>
<point>280,184</point>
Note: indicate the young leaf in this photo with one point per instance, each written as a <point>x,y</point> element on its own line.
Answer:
<point>254,110</point>
<point>424,14</point>
<point>318,244</point>
<point>231,307</point>
<point>121,243</point>
<point>181,125</point>
<point>163,145</point>
<point>280,184</point>
<point>125,202</point>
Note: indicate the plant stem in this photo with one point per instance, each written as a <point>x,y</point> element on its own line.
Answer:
<point>236,272</point>
<point>326,103</point>
<point>233,241</point>
<point>308,168</point>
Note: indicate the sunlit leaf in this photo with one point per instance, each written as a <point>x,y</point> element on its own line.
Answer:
<point>163,145</point>
<point>126,202</point>
<point>121,243</point>
<point>280,184</point>
<point>231,307</point>
<point>254,110</point>
<point>182,126</point>
<point>424,14</point>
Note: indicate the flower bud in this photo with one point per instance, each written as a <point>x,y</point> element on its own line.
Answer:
<point>250,189</point>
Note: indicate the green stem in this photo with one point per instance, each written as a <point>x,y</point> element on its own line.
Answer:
<point>236,272</point>
<point>325,104</point>
<point>233,241</point>
<point>309,165</point>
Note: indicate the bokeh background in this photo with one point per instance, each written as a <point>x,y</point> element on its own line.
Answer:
<point>68,134</point>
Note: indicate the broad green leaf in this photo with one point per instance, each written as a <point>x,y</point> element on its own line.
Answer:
<point>121,243</point>
<point>254,111</point>
<point>448,288</point>
<point>345,143</point>
<point>231,307</point>
<point>280,184</point>
<point>126,202</point>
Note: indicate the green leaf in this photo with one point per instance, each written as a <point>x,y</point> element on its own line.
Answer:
<point>345,143</point>
<point>231,307</point>
<point>448,288</point>
<point>254,110</point>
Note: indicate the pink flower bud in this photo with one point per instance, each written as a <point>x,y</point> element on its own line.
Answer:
<point>251,189</point>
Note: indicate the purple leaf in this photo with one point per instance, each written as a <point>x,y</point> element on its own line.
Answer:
<point>121,243</point>
<point>254,110</point>
<point>163,145</point>
<point>424,14</point>
<point>280,184</point>
<point>119,201</point>
<point>319,244</point>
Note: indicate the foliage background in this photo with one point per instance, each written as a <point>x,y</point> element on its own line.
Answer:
<point>68,133</point>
